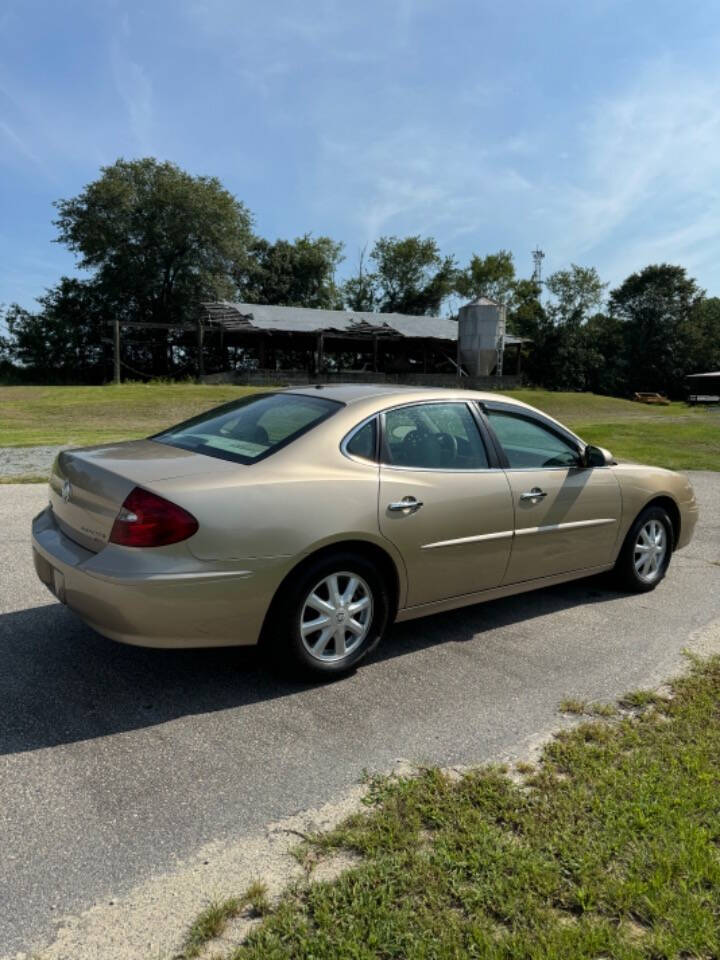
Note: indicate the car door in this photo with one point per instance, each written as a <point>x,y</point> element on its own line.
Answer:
<point>566,514</point>
<point>444,501</point>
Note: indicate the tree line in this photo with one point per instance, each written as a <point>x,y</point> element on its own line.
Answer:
<point>155,242</point>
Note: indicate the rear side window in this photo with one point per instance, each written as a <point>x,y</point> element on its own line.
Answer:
<point>250,429</point>
<point>363,443</point>
<point>435,436</point>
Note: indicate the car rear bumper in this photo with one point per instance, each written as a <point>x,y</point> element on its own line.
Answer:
<point>203,607</point>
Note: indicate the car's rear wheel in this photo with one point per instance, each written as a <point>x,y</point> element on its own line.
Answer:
<point>645,555</point>
<point>328,616</point>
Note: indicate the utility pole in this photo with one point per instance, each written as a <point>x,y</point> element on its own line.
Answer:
<point>116,350</point>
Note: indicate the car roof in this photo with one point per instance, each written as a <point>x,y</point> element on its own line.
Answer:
<point>354,392</point>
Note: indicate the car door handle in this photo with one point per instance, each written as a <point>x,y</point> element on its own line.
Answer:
<point>535,494</point>
<point>407,503</point>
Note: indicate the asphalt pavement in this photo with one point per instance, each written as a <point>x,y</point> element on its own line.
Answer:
<point>116,762</point>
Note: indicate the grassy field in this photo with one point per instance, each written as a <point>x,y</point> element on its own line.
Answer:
<point>675,436</point>
<point>678,437</point>
<point>609,848</point>
<point>31,416</point>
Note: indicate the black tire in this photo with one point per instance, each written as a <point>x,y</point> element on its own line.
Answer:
<point>283,646</point>
<point>626,574</point>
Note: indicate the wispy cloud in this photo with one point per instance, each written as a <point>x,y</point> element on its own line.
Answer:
<point>412,179</point>
<point>135,90</point>
<point>20,145</point>
<point>637,178</point>
<point>645,173</point>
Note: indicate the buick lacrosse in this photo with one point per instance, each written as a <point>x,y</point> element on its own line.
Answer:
<point>308,520</point>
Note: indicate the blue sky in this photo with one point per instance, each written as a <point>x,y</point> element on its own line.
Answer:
<point>589,127</point>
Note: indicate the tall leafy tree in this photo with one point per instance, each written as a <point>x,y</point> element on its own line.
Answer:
<point>605,363</point>
<point>575,292</point>
<point>492,276</point>
<point>157,239</point>
<point>297,274</point>
<point>561,354</point>
<point>659,308</point>
<point>525,311</point>
<point>409,276</point>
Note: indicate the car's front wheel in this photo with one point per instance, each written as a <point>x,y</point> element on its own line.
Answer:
<point>328,616</point>
<point>645,555</point>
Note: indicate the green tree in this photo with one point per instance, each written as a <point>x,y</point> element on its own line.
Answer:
<point>561,354</point>
<point>359,291</point>
<point>410,276</point>
<point>492,276</point>
<point>660,309</point>
<point>703,337</point>
<point>158,240</point>
<point>605,362</point>
<point>7,351</point>
<point>64,339</point>
<point>567,355</point>
<point>575,293</point>
<point>297,274</point>
<point>525,312</point>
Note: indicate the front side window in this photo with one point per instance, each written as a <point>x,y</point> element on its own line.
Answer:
<point>250,429</point>
<point>439,436</point>
<point>528,444</point>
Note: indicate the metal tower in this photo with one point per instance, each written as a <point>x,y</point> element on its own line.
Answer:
<point>538,257</point>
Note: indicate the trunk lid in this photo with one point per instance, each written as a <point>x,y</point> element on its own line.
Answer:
<point>89,485</point>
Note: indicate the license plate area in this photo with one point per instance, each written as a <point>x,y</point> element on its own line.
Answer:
<point>58,585</point>
<point>53,579</point>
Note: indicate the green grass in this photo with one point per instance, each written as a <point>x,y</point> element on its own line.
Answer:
<point>31,416</point>
<point>214,918</point>
<point>25,478</point>
<point>609,849</point>
<point>676,436</point>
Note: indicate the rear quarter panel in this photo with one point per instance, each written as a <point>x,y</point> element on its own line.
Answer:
<point>302,498</point>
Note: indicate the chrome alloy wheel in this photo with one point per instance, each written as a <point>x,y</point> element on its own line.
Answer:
<point>336,616</point>
<point>650,550</point>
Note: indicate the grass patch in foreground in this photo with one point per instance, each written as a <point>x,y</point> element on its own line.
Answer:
<point>611,848</point>
<point>214,918</point>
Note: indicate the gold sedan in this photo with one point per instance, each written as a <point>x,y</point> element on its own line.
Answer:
<point>308,520</point>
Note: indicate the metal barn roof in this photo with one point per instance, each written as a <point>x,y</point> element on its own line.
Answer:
<point>254,316</point>
<point>307,320</point>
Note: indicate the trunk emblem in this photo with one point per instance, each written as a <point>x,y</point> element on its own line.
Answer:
<point>66,491</point>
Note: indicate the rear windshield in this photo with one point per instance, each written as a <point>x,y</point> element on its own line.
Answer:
<point>252,428</point>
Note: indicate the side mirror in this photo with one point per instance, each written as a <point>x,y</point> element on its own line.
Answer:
<point>597,456</point>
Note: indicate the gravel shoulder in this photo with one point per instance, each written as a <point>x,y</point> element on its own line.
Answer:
<point>27,461</point>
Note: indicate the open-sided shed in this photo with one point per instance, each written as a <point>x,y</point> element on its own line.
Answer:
<point>377,342</point>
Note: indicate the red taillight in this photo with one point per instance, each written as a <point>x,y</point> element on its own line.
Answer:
<point>146,520</point>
